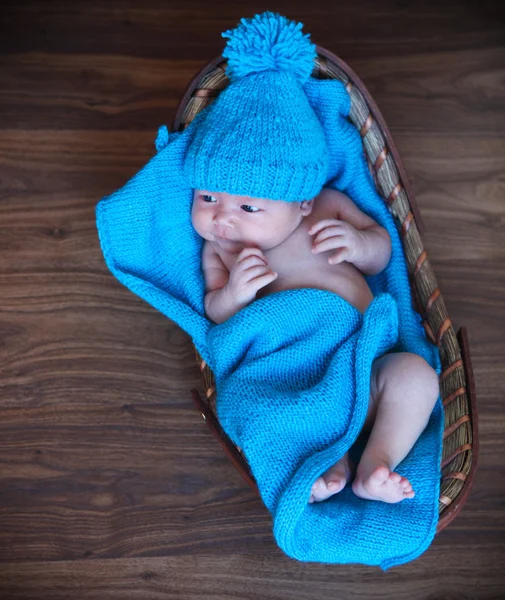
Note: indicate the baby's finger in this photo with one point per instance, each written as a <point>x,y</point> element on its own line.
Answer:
<point>339,256</point>
<point>329,244</point>
<point>328,232</point>
<point>263,280</point>
<point>250,261</point>
<point>322,224</point>
<point>249,252</point>
<point>253,272</point>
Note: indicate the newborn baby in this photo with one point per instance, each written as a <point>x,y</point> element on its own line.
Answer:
<point>256,246</point>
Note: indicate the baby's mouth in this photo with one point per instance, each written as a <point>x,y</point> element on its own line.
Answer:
<point>225,240</point>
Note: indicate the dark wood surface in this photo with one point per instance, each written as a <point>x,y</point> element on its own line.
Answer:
<point>111,486</point>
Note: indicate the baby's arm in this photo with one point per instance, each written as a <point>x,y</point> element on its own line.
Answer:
<point>226,293</point>
<point>365,243</point>
<point>218,306</point>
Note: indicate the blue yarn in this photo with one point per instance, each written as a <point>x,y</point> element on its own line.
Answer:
<point>272,370</point>
<point>260,137</point>
<point>268,42</point>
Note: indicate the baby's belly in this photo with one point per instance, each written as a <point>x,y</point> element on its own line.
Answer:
<point>344,279</point>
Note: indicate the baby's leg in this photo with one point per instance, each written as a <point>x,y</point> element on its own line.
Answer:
<point>404,390</point>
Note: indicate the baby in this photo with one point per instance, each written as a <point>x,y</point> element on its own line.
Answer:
<point>256,246</point>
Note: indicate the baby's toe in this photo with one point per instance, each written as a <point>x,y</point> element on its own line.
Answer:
<point>395,478</point>
<point>318,489</point>
<point>406,487</point>
<point>336,486</point>
<point>379,476</point>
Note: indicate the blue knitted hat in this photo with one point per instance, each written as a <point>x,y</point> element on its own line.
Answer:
<point>260,137</point>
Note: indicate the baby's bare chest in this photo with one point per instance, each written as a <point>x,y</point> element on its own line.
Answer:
<point>298,267</point>
<point>294,259</point>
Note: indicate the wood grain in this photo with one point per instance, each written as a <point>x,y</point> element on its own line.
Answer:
<point>111,486</point>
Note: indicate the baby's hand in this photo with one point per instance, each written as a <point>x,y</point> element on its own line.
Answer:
<point>248,275</point>
<point>331,234</point>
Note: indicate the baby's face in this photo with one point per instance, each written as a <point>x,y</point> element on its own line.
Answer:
<point>238,222</point>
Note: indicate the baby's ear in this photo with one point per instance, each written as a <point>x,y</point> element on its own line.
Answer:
<point>306,207</point>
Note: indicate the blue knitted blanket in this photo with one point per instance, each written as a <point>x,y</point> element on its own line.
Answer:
<point>292,369</point>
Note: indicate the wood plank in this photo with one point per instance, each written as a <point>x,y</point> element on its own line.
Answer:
<point>243,577</point>
<point>104,92</point>
<point>159,28</point>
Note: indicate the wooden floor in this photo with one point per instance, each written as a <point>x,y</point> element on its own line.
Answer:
<point>111,486</point>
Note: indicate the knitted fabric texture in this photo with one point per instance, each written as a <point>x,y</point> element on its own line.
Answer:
<point>293,395</point>
<point>150,246</point>
<point>260,137</point>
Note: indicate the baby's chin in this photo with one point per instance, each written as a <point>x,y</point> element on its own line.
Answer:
<point>230,246</point>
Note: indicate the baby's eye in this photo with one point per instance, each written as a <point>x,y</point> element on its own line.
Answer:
<point>248,208</point>
<point>207,198</point>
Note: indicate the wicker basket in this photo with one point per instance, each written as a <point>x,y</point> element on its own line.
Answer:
<point>460,447</point>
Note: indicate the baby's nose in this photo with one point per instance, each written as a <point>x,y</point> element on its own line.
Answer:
<point>223,218</point>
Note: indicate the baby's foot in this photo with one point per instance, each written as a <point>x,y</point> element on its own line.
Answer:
<point>332,481</point>
<point>383,484</point>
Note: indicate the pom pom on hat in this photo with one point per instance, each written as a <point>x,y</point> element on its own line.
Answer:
<point>268,42</point>
<point>260,137</point>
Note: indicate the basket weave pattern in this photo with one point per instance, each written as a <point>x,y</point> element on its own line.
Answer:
<point>393,186</point>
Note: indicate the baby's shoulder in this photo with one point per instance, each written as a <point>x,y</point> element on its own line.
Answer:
<point>342,207</point>
<point>331,197</point>
<point>329,203</point>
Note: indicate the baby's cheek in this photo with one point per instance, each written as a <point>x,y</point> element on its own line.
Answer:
<point>275,233</point>
<point>199,221</point>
